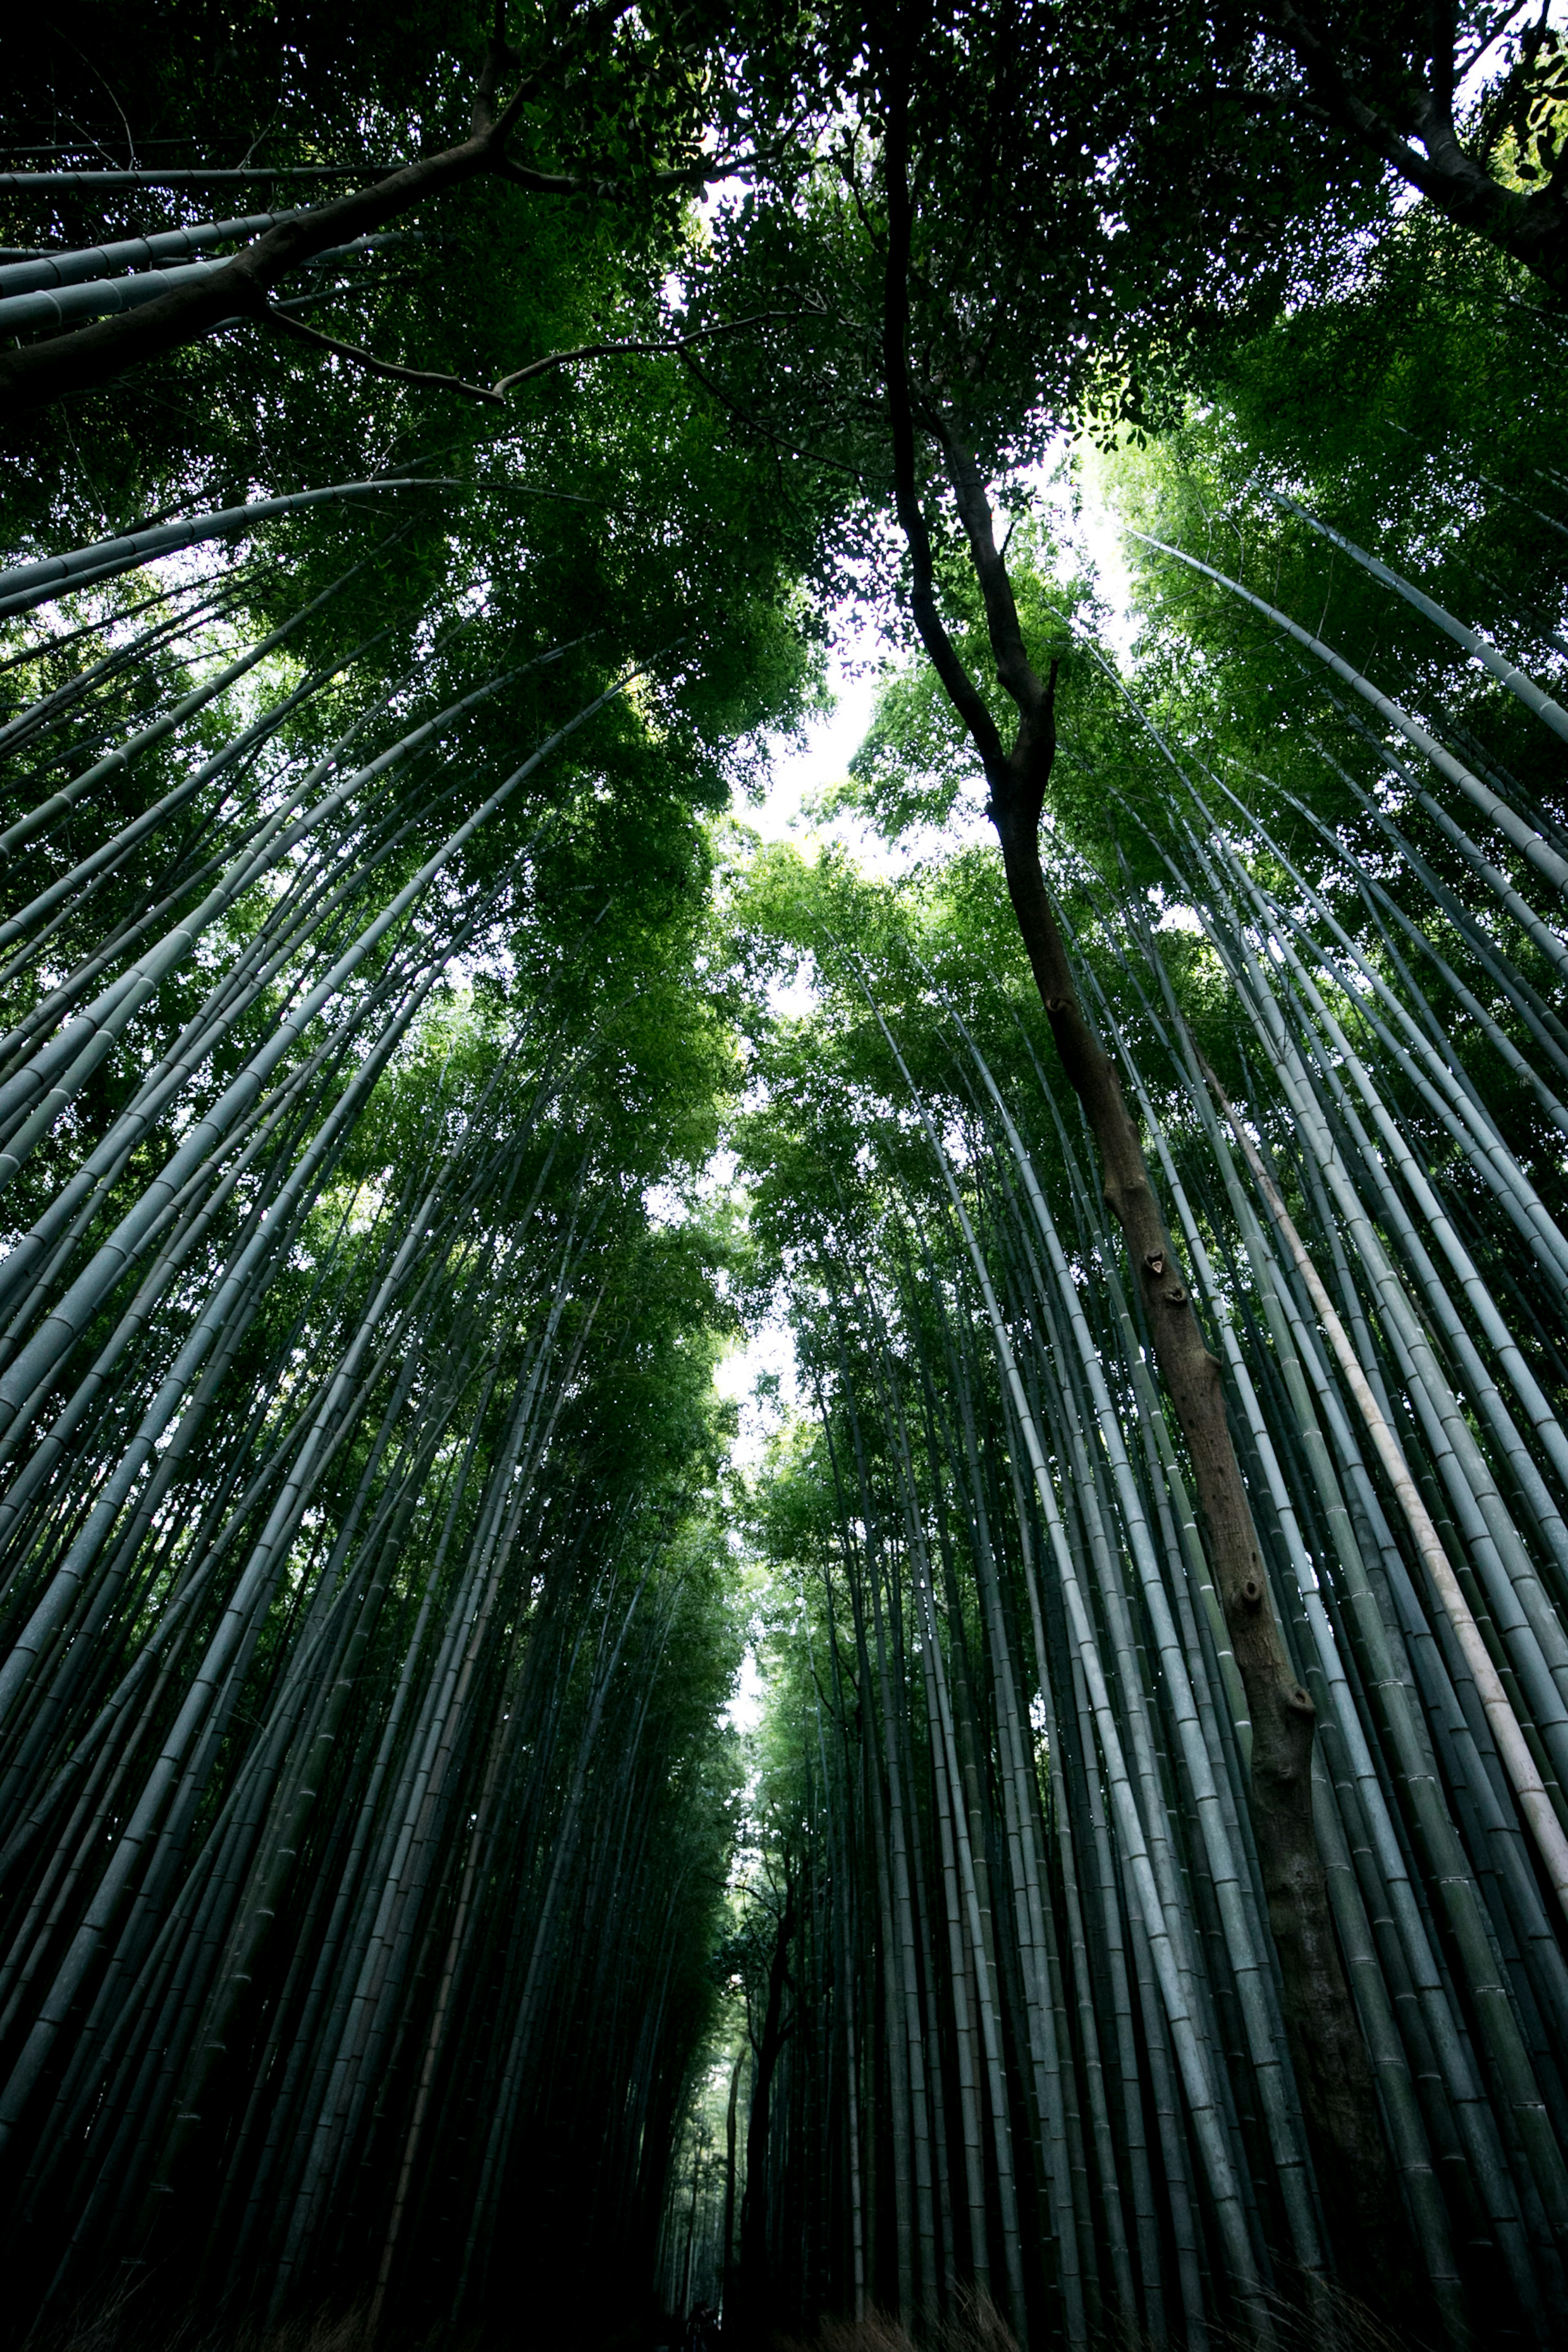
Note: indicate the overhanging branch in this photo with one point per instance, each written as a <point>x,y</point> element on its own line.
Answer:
<point>431,378</point>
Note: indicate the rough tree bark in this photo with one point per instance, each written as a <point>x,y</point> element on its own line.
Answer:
<point>1333,2069</point>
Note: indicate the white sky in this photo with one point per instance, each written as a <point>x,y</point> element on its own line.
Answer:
<point>745,1709</point>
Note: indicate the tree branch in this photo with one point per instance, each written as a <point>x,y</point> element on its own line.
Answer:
<point>75,362</point>
<point>492,394</point>
<point>1532,228</point>
<point>962,692</point>
<point>288,325</point>
<point>669,344</point>
<point>755,425</point>
<point>1014,668</point>
<point>606,183</point>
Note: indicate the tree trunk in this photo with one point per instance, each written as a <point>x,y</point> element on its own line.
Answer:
<point>1333,2072</point>
<point>1530,224</point>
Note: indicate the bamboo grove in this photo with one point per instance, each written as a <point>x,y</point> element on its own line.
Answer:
<point>1034,2041</point>
<point>367,1613</point>
<point>415,540</point>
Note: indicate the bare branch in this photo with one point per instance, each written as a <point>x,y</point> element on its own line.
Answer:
<point>765,432</point>
<point>603,181</point>
<point>288,325</point>
<point>492,394</point>
<point>670,345</point>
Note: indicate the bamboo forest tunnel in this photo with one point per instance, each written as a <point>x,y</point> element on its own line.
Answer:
<point>449,459</point>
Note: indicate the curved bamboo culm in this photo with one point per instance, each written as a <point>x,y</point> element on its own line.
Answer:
<point>1523,836</point>
<point>24,586</point>
<point>1534,696</point>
